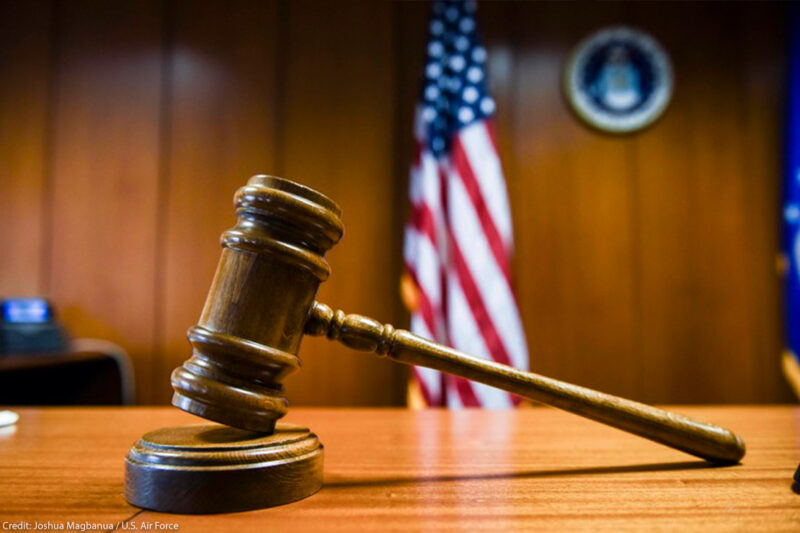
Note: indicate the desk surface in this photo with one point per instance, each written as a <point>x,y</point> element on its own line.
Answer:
<point>428,470</point>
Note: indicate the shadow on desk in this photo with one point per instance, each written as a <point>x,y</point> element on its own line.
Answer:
<point>342,482</point>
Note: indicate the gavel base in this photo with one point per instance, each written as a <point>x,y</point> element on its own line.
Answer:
<point>211,468</point>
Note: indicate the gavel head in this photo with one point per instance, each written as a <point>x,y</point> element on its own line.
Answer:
<point>249,332</point>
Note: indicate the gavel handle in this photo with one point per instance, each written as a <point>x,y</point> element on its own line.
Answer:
<point>710,442</point>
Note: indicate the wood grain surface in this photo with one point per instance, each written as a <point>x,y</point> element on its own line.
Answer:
<point>432,470</point>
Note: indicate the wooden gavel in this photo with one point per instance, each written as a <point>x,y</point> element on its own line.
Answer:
<point>261,303</point>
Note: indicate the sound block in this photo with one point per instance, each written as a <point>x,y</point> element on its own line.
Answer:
<point>211,468</point>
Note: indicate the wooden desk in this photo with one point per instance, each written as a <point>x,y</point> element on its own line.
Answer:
<point>429,470</point>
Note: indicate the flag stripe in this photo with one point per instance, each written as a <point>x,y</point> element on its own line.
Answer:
<point>466,336</point>
<point>492,289</point>
<point>485,163</point>
<point>422,257</point>
<point>462,167</point>
<point>424,308</point>
<point>429,380</point>
<point>427,395</point>
<point>465,391</point>
<point>453,399</point>
<point>473,297</point>
<point>423,221</point>
<point>422,188</point>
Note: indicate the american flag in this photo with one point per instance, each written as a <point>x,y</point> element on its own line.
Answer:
<point>458,239</point>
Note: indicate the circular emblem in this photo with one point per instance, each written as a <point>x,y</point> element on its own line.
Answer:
<point>618,80</point>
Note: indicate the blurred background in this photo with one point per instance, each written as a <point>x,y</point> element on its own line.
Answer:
<point>644,266</point>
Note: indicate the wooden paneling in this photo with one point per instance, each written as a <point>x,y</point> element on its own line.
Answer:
<point>710,202</point>
<point>105,174</point>
<point>220,130</point>
<point>708,175</point>
<point>24,96</point>
<point>574,213</point>
<point>644,263</point>
<point>338,137</point>
<point>763,33</point>
<point>665,231</point>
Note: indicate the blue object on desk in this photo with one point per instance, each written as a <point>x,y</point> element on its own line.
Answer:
<point>26,311</point>
<point>28,325</point>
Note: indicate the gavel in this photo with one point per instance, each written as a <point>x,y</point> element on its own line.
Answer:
<point>261,303</point>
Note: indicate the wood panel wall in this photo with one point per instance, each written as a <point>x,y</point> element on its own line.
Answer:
<point>644,264</point>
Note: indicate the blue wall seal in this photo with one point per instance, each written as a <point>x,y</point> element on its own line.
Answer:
<point>618,80</point>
